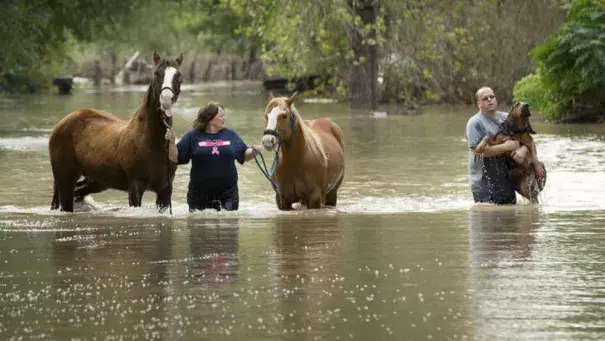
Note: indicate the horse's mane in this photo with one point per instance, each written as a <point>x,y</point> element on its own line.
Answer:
<point>313,144</point>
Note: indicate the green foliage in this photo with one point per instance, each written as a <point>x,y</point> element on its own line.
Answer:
<point>21,35</point>
<point>35,35</point>
<point>574,58</point>
<point>572,63</point>
<point>43,38</point>
<point>533,90</point>
<point>301,38</point>
<point>216,26</point>
<point>427,49</point>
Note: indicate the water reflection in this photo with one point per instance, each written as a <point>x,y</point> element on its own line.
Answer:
<point>500,235</point>
<point>307,261</point>
<point>306,245</point>
<point>214,246</point>
<point>502,244</point>
<point>106,278</point>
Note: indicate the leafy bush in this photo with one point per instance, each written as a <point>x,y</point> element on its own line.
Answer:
<point>570,65</point>
<point>533,90</point>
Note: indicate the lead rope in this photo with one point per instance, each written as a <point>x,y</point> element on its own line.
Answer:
<point>263,168</point>
<point>168,163</point>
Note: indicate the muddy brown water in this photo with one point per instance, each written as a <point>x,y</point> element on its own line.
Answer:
<point>405,255</point>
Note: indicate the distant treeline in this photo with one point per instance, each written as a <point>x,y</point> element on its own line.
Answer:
<point>406,51</point>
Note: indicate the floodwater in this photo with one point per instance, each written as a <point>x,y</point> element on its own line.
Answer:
<point>405,255</point>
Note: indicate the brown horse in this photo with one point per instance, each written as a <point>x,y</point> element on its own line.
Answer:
<point>517,127</point>
<point>114,154</point>
<point>311,155</point>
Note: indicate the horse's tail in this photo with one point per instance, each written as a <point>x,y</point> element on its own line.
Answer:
<point>338,134</point>
<point>55,202</point>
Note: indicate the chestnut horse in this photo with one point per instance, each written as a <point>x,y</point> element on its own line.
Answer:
<point>114,154</point>
<point>310,153</point>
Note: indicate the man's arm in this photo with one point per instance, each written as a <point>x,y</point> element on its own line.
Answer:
<point>499,149</point>
<point>537,165</point>
<point>534,153</point>
<point>476,136</point>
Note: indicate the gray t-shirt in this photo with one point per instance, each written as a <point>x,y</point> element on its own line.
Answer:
<point>488,176</point>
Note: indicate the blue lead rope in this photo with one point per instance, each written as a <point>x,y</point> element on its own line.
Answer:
<point>263,168</point>
<point>269,174</point>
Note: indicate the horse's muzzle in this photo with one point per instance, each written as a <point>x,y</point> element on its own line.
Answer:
<point>167,98</point>
<point>167,111</point>
<point>269,142</point>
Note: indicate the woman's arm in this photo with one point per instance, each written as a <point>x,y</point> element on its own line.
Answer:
<point>173,153</point>
<point>249,154</point>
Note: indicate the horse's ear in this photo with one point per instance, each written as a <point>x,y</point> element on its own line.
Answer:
<point>292,98</point>
<point>156,58</point>
<point>179,60</point>
<point>270,95</point>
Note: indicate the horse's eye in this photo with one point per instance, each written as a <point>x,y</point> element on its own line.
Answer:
<point>282,116</point>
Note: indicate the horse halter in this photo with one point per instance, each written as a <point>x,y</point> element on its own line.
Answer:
<point>176,94</point>
<point>277,134</point>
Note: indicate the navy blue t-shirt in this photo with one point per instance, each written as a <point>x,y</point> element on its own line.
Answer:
<point>212,157</point>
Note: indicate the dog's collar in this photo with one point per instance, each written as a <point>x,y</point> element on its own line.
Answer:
<point>522,131</point>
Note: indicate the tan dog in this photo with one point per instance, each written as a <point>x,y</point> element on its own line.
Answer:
<point>517,127</point>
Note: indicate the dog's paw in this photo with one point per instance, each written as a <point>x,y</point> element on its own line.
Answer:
<point>480,148</point>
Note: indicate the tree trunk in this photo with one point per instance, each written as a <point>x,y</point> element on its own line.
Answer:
<point>97,73</point>
<point>363,72</point>
<point>114,66</point>
<point>249,64</point>
<point>192,72</point>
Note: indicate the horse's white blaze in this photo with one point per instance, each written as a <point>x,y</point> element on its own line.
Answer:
<point>272,117</point>
<point>269,141</point>
<point>166,95</point>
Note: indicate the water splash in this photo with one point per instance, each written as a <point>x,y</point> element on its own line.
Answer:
<point>25,143</point>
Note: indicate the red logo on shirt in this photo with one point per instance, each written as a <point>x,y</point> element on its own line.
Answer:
<point>214,144</point>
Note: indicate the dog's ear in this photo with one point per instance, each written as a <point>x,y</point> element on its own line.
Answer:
<point>530,129</point>
<point>508,126</point>
<point>514,106</point>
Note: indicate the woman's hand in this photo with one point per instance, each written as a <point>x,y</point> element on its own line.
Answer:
<point>251,151</point>
<point>169,135</point>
